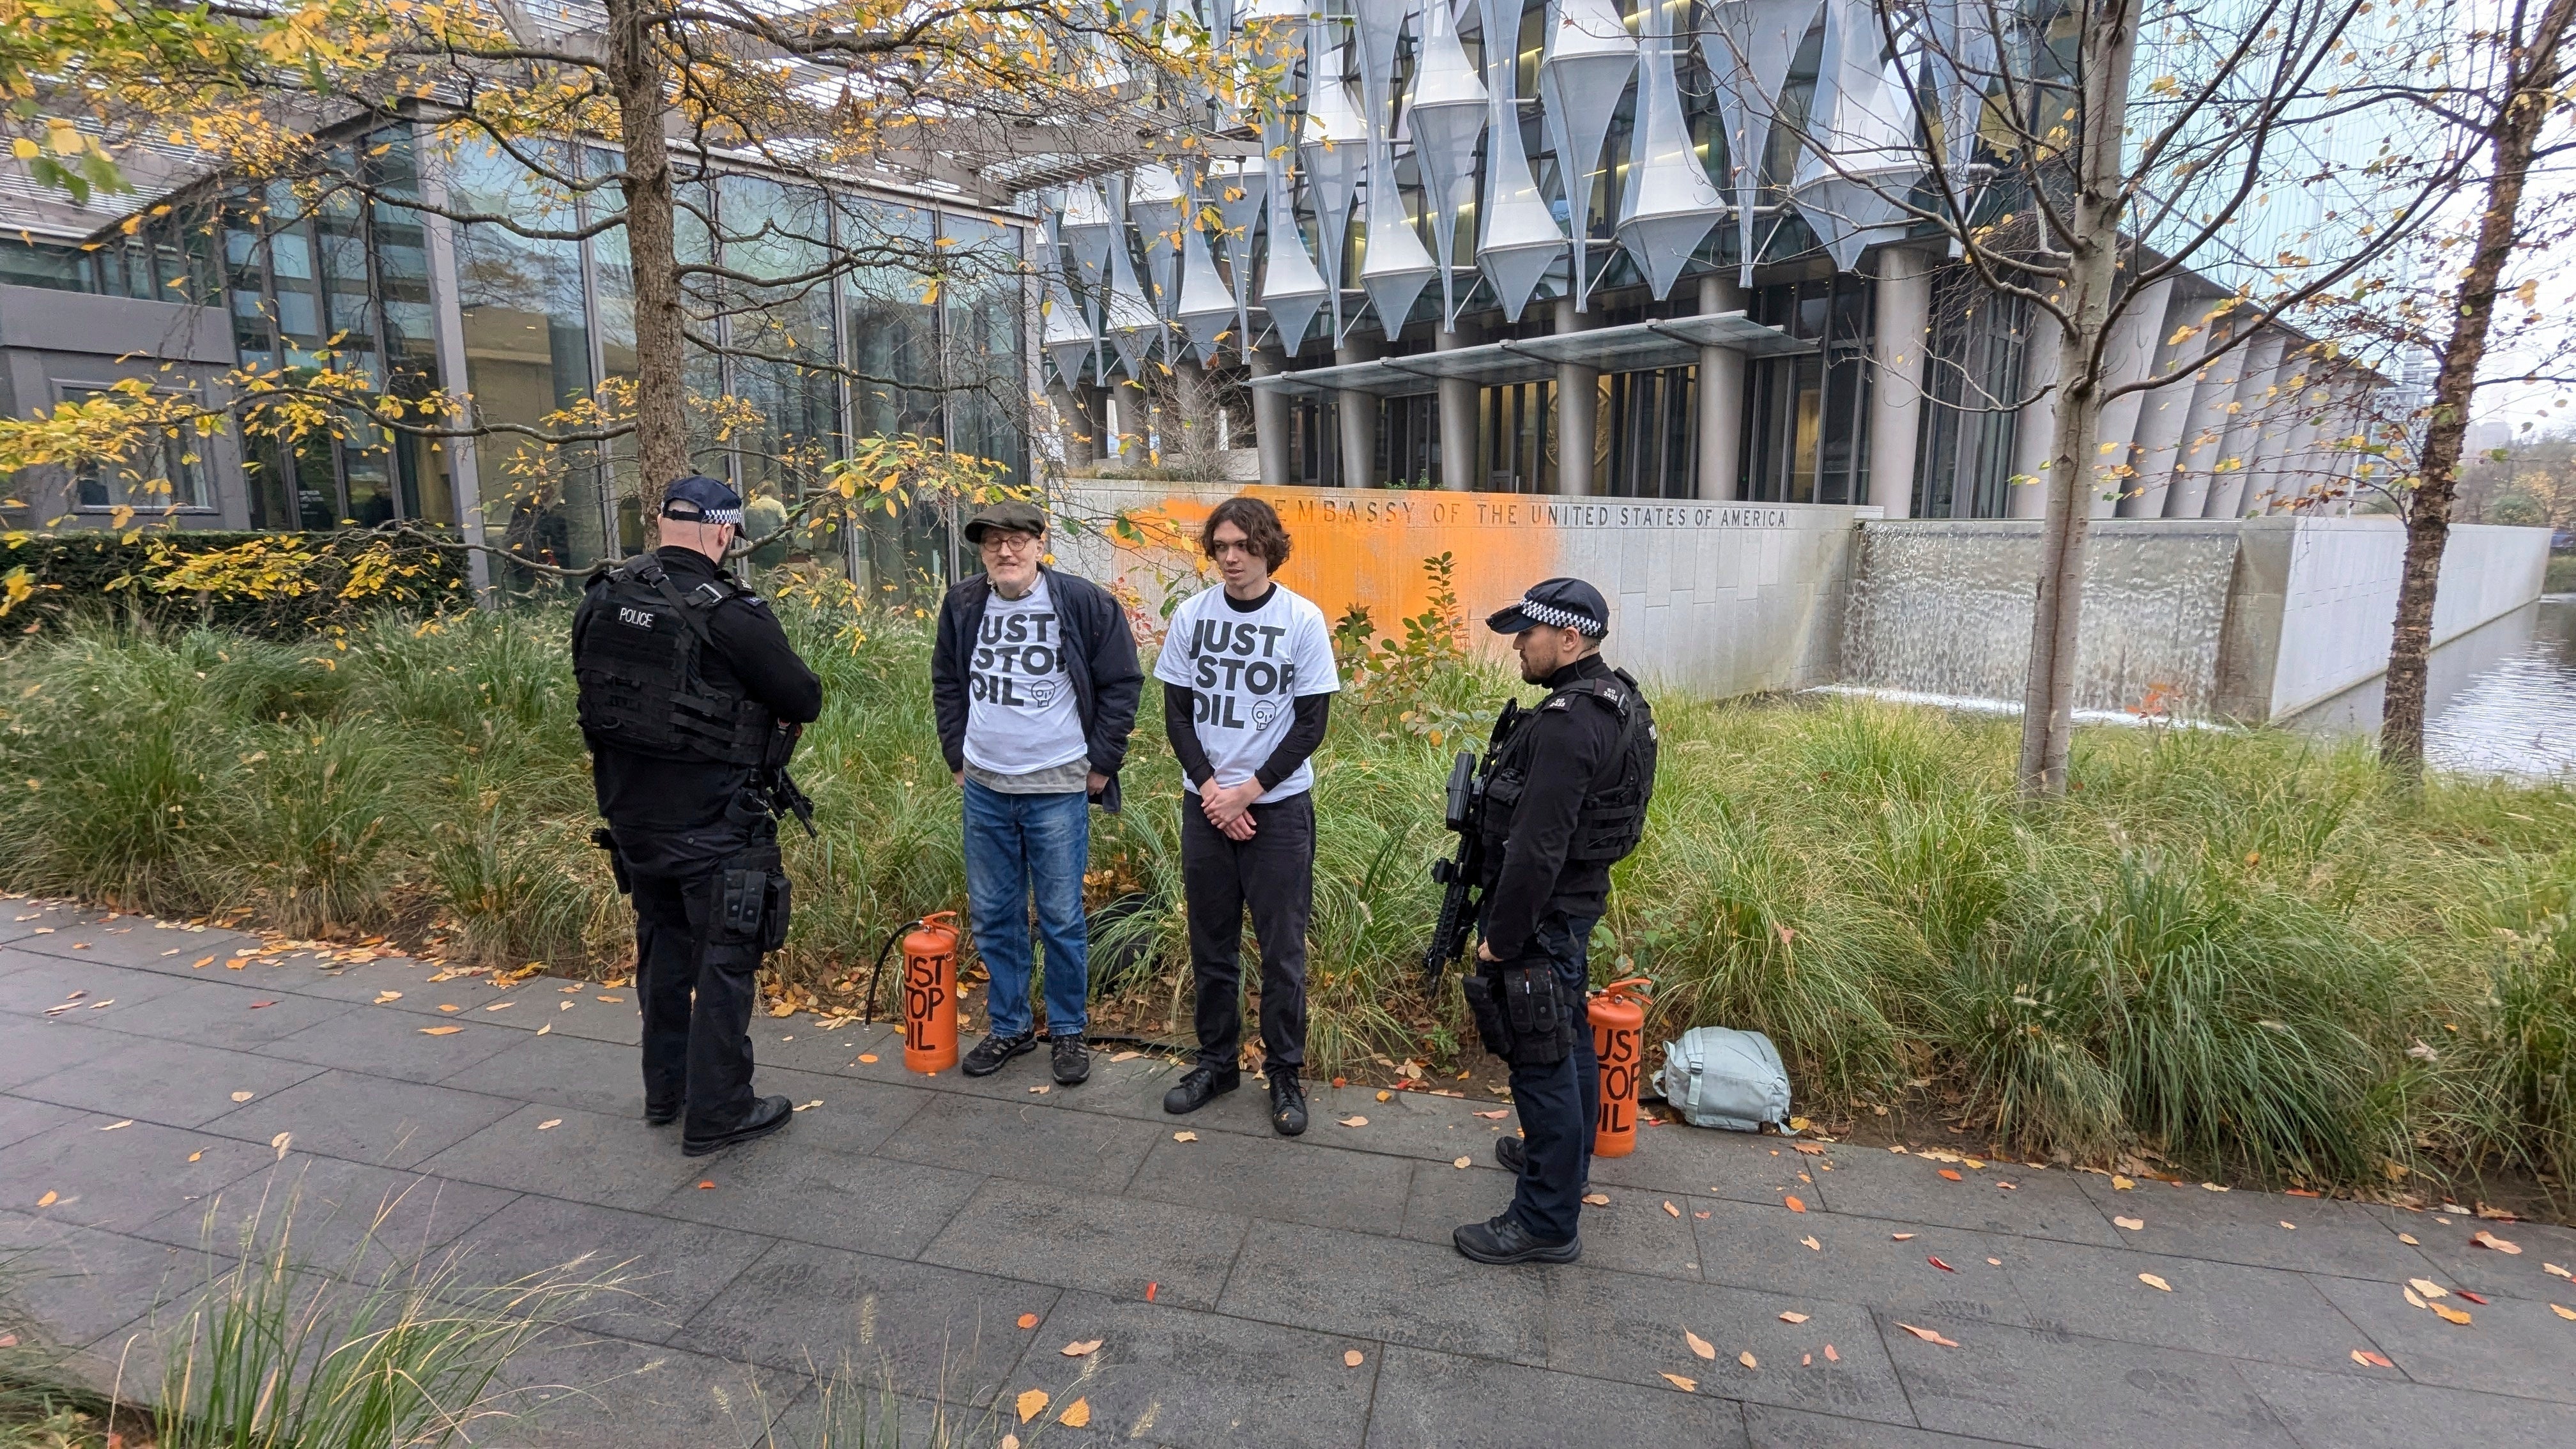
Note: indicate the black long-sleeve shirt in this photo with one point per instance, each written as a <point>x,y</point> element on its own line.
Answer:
<point>1571,741</point>
<point>673,815</point>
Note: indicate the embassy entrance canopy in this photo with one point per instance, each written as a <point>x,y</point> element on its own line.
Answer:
<point>1636,347</point>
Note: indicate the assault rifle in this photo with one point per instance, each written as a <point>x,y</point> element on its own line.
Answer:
<point>1462,874</point>
<point>784,798</point>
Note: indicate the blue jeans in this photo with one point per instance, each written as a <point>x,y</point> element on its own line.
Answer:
<point>1018,846</point>
<point>1560,1103</point>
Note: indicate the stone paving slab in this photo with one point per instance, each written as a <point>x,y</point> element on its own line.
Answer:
<point>882,1252</point>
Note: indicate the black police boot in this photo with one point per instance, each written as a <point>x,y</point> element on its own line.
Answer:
<point>658,1114</point>
<point>767,1116</point>
<point>1072,1061</point>
<point>1287,1102</point>
<point>1512,1153</point>
<point>992,1051</point>
<point>1199,1086</point>
<point>1504,1240</point>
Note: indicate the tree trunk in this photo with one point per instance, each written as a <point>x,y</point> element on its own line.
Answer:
<point>635,75</point>
<point>2532,72</point>
<point>2110,40</point>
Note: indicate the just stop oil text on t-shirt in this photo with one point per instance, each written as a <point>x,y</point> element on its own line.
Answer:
<point>1246,670</point>
<point>1020,715</point>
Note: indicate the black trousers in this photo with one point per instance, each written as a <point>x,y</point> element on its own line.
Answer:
<point>1273,874</point>
<point>696,982</point>
<point>1559,1104</point>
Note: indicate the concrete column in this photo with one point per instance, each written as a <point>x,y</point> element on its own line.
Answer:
<point>1721,397</point>
<point>2204,435</point>
<point>1358,414</point>
<point>2163,413</point>
<point>1130,421</point>
<point>2241,449</point>
<point>2036,428</point>
<point>1578,410</point>
<point>2130,353</point>
<point>1270,417</point>
<point>1073,424</point>
<point>1896,394</point>
<point>1459,399</point>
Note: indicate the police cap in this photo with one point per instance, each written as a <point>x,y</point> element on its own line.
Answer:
<point>701,499</point>
<point>1557,603</point>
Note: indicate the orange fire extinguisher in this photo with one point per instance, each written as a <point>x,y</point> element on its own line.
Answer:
<point>929,991</point>
<point>1618,1013</point>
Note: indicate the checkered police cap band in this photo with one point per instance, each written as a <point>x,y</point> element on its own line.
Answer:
<point>696,514</point>
<point>1554,617</point>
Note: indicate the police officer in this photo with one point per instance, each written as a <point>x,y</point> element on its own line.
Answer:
<point>1567,799</point>
<point>690,695</point>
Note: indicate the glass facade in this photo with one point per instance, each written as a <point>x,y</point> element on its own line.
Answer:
<point>1972,376</point>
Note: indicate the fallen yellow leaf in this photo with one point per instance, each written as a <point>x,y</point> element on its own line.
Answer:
<point>2122,1184</point>
<point>1669,1208</point>
<point>1597,1199</point>
<point>1746,1358</point>
<point>1498,1112</point>
<point>48,1200</point>
<point>1082,1348</point>
<point>2134,1225</point>
<point>1355,1121</point>
<point>550,1124</point>
<point>2448,1314</point>
<point>440,1030</point>
<point>1831,1356</point>
<point>199,965</point>
<point>2409,1240</point>
<point>1125,1056</point>
<point>1353,1358</point>
<point>1793,1318</point>
<point>280,1142</point>
<point>2562,1311</point>
<point>1928,1335</point>
<point>1952,1173</point>
<point>1794,1204</point>
<point>2553,1270</point>
<point>384,996</point>
<point>2485,1239</point>
<point>1813,1244</point>
<point>112,1126</point>
<point>1462,1162</point>
<point>549,1026</point>
<point>242,1096</point>
<point>1185,1137</point>
<point>1902,1237</point>
<point>451,1008</point>
<point>1076,1414</point>
<point>193,1156</point>
<point>868,1057</point>
<point>1699,1345</point>
<point>1688,1386</point>
<point>1386,1096</point>
<point>1032,1403</point>
<point>1028,1320</point>
<point>2368,1359</point>
<point>2427,1287</point>
<point>2413,1300</point>
<point>2152,1281</point>
<point>809,1106</point>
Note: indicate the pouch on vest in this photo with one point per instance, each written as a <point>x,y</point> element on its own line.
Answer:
<point>1487,1013</point>
<point>1541,1026</point>
<point>742,896</point>
<point>775,907</point>
<point>1719,1077</point>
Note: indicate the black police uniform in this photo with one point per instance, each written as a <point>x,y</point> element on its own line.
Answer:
<point>1545,894</point>
<point>678,724</point>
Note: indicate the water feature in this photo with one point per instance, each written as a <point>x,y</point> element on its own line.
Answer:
<point>1941,610</point>
<point>2500,699</point>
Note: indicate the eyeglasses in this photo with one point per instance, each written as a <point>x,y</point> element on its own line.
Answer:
<point>1008,540</point>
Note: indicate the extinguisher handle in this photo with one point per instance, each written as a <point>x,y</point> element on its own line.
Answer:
<point>1642,986</point>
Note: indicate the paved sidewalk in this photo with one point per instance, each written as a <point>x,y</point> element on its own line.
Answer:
<point>907,1225</point>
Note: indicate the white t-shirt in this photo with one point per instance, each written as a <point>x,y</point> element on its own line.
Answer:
<point>1248,669</point>
<point>1020,715</point>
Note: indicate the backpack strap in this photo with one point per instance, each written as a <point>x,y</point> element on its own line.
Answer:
<point>647,570</point>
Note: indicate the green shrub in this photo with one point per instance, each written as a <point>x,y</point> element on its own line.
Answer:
<point>279,584</point>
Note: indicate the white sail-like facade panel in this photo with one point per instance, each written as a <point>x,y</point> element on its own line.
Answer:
<point>1861,157</point>
<point>1669,203</point>
<point>1395,267</point>
<point>1446,116</point>
<point>1749,50</point>
<point>1521,238</point>
<point>1590,59</point>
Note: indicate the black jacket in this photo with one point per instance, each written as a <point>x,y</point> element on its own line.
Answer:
<point>672,817</point>
<point>1099,659</point>
<point>1571,740</point>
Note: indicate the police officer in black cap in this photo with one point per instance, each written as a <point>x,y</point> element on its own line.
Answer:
<point>691,698</point>
<point>1566,800</point>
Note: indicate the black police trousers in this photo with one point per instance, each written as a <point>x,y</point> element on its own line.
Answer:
<point>1560,1102</point>
<point>695,977</point>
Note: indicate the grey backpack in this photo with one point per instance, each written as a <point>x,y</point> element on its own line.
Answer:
<point>1719,1077</point>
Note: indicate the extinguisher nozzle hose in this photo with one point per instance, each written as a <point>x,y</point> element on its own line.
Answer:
<point>868,1008</point>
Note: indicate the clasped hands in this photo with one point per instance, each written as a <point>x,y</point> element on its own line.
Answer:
<point>1229,807</point>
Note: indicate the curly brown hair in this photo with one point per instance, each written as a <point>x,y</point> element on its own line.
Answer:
<point>1259,522</point>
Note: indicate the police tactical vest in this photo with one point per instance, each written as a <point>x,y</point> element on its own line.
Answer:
<point>641,688</point>
<point>1612,819</point>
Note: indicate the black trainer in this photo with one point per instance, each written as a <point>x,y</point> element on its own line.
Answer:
<point>1072,1060</point>
<point>1504,1240</point>
<point>1200,1085</point>
<point>992,1051</point>
<point>656,1115</point>
<point>1287,1102</point>
<point>1512,1153</point>
<point>767,1116</point>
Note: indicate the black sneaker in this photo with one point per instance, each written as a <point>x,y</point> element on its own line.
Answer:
<point>1199,1086</point>
<point>992,1051</point>
<point>1512,1154</point>
<point>1287,1102</point>
<point>1504,1240</point>
<point>767,1116</point>
<point>1072,1060</point>
<point>656,1115</point>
